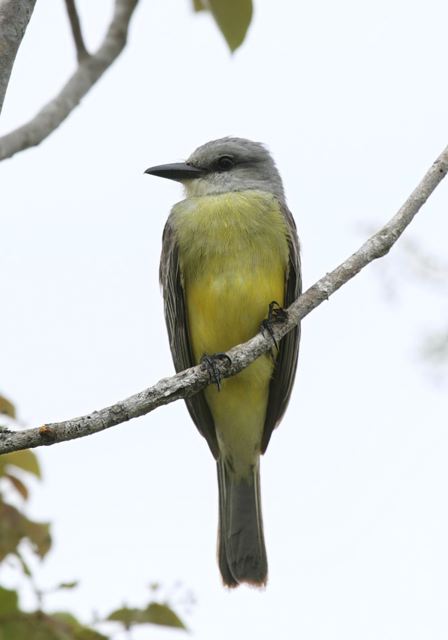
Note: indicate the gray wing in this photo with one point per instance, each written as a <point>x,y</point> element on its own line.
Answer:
<point>286,362</point>
<point>177,324</point>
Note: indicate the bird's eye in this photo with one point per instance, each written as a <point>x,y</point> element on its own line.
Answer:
<point>225,163</point>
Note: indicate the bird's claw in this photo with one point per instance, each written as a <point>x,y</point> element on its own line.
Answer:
<point>208,362</point>
<point>276,314</point>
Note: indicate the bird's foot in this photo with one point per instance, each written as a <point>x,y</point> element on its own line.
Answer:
<point>209,362</point>
<point>276,315</point>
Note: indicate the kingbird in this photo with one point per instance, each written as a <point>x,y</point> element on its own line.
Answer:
<point>230,253</point>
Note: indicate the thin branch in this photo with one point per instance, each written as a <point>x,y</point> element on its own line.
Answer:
<point>72,12</point>
<point>89,71</point>
<point>190,381</point>
<point>14,18</point>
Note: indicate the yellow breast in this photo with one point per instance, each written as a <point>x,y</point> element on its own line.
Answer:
<point>233,252</point>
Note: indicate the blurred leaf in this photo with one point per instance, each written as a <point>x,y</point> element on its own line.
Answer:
<point>126,616</point>
<point>67,585</point>
<point>163,615</point>
<point>40,626</point>
<point>25,460</point>
<point>7,407</point>
<point>8,602</point>
<point>79,631</point>
<point>198,5</point>
<point>154,613</point>
<point>15,527</point>
<point>67,617</point>
<point>18,485</point>
<point>233,18</point>
<point>38,533</point>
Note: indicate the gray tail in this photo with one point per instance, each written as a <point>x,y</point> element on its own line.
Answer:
<point>241,549</point>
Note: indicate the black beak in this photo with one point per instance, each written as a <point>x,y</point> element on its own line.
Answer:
<point>176,171</point>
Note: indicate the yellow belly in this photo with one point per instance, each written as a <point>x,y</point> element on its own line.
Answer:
<point>233,252</point>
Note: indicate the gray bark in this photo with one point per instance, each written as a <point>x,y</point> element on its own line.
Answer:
<point>89,71</point>
<point>14,18</point>
<point>190,381</point>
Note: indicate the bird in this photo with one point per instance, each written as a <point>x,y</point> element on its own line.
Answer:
<point>230,265</point>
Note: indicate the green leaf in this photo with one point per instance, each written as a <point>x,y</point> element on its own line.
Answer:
<point>67,617</point>
<point>40,626</point>
<point>8,602</point>
<point>18,485</point>
<point>7,407</point>
<point>38,534</point>
<point>162,614</point>
<point>25,460</point>
<point>126,616</point>
<point>233,18</point>
<point>15,527</point>
<point>154,613</point>
<point>67,585</point>
<point>77,630</point>
<point>198,5</point>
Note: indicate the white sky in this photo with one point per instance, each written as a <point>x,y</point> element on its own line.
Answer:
<point>351,99</point>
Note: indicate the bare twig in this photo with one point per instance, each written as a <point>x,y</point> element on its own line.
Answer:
<point>72,12</point>
<point>14,18</point>
<point>190,381</point>
<point>89,71</point>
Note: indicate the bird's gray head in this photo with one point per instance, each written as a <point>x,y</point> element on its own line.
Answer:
<point>228,164</point>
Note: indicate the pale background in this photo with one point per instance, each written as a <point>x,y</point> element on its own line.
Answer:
<point>351,99</point>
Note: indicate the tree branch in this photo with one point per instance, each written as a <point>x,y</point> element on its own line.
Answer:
<point>75,24</point>
<point>89,71</point>
<point>14,18</point>
<point>190,381</point>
